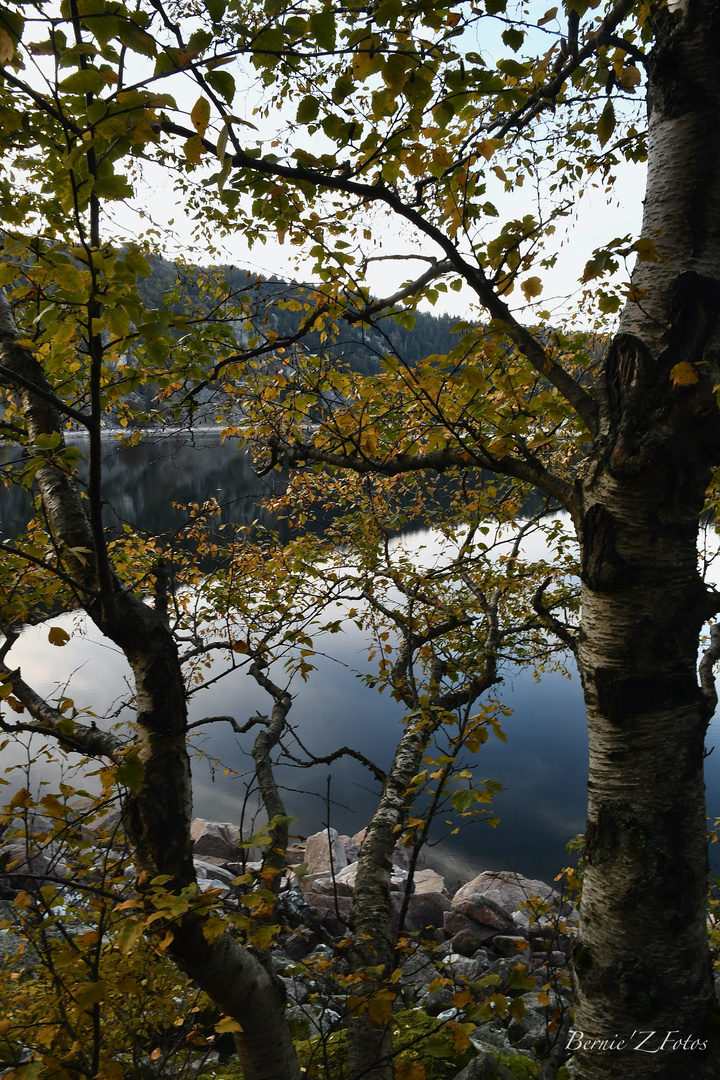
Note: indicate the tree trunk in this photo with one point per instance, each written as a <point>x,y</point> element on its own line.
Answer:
<point>373,944</point>
<point>642,968</point>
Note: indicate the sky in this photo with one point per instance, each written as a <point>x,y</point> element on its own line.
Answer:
<point>596,218</point>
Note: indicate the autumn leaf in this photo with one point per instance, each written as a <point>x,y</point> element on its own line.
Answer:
<point>58,636</point>
<point>606,123</point>
<point>200,115</point>
<point>409,1070</point>
<point>227,1024</point>
<point>532,286</point>
<point>381,1006</point>
<point>684,374</point>
<point>7,49</point>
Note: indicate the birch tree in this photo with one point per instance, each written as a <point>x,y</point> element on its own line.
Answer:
<point>425,116</point>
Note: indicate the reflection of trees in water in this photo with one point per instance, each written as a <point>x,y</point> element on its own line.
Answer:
<point>142,482</point>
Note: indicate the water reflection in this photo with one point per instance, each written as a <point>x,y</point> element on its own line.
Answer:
<point>543,765</point>
<point>141,483</point>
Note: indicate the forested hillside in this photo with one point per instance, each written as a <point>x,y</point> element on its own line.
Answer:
<point>275,305</point>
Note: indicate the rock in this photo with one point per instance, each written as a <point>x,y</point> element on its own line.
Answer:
<point>296,989</point>
<point>26,870</point>
<point>454,922</point>
<point>434,1001</point>
<point>418,971</point>
<point>465,942</point>
<point>531,1032</point>
<point>428,881</point>
<point>298,946</point>
<point>511,945</point>
<point>210,871</point>
<point>426,912</point>
<point>324,851</point>
<point>352,847</point>
<point>345,881</point>
<point>400,857</point>
<point>219,838</point>
<point>313,1019</point>
<point>506,889</point>
<point>459,967</point>
<point>485,1067</point>
<point>484,910</point>
<point>334,921</point>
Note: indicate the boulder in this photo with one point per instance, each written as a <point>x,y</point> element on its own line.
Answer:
<point>428,881</point>
<point>459,967</point>
<point>485,1067</point>
<point>486,911</point>
<point>219,838</point>
<point>426,912</point>
<point>213,876</point>
<point>511,945</point>
<point>324,851</point>
<point>506,889</point>
<point>465,942</point>
<point>455,921</point>
<point>345,881</point>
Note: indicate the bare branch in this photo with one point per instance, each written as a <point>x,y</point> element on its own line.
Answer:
<point>239,729</point>
<point>557,627</point>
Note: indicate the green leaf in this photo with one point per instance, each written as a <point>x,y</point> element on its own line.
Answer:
<point>513,38</point>
<point>223,82</point>
<point>89,81</point>
<point>216,9</point>
<point>131,772</point>
<point>463,799</point>
<point>135,38</point>
<point>308,110</point>
<point>113,187</point>
<point>322,28</point>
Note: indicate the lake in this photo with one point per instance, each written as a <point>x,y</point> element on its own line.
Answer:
<point>542,766</point>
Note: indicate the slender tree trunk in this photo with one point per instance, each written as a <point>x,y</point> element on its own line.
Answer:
<point>642,968</point>
<point>373,943</point>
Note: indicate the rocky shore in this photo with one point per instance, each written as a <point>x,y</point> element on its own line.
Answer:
<point>510,934</point>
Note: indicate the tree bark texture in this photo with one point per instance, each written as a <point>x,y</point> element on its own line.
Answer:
<point>642,962</point>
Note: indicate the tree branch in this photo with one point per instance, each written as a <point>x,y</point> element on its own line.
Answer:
<point>705,669</point>
<point>558,628</point>
<point>572,391</point>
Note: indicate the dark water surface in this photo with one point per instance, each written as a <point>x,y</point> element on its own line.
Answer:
<point>542,766</point>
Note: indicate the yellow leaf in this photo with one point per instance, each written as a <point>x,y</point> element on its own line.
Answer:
<point>89,994</point>
<point>194,149</point>
<point>684,374</point>
<point>213,929</point>
<point>532,286</point>
<point>487,148</point>
<point>200,115</point>
<point>381,1007</point>
<point>7,49</point>
<point>629,78</point>
<point>58,636</point>
<point>227,1024</point>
